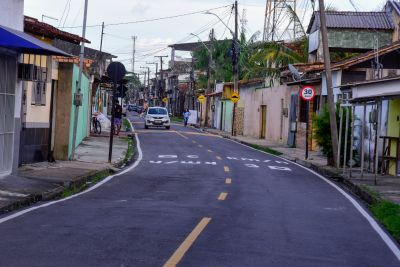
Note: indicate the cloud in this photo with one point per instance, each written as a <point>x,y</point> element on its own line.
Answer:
<point>140,8</point>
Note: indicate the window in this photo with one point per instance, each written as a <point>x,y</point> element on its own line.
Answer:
<point>157,111</point>
<point>38,93</point>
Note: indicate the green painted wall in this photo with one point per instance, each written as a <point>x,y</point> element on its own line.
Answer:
<point>82,128</point>
<point>393,129</point>
<point>357,39</point>
<point>228,111</point>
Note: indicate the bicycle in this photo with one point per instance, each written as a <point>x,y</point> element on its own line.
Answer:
<point>96,125</point>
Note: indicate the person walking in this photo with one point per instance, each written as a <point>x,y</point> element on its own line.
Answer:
<point>117,118</point>
<point>186,115</point>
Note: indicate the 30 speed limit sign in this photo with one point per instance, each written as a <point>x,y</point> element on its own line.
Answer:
<point>307,93</point>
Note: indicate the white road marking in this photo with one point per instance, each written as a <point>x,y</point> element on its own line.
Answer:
<point>94,187</point>
<point>192,156</point>
<point>167,156</point>
<point>171,162</point>
<point>278,168</point>
<point>252,165</point>
<point>246,159</point>
<point>281,162</point>
<point>210,163</point>
<point>155,162</point>
<point>191,162</point>
<point>232,158</point>
<point>375,226</point>
<point>266,161</point>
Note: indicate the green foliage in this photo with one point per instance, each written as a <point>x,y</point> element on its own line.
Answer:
<point>322,132</point>
<point>127,124</point>
<point>266,149</point>
<point>388,214</point>
<point>134,83</point>
<point>222,61</point>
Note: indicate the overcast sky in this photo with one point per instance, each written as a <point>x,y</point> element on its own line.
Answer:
<point>157,35</point>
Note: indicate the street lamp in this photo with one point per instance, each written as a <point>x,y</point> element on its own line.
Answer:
<point>210,13</point>
<point>235,58</point>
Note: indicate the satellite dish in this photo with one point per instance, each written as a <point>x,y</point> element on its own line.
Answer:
<point>295,73</point>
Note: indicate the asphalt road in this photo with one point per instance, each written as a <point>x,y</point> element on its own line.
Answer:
<point>199,200</point>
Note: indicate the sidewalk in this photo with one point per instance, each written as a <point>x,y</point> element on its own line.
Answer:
<point>388,187</point>
<point>44,180</point>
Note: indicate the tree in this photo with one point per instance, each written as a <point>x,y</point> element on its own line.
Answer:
<point>134,84</point>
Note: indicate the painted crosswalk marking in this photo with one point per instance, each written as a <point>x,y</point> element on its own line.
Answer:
<point>252,165</point>
<point>167,156</point>
<point>279,168</point>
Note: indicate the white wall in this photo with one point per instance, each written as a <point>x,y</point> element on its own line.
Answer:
<point>12,14</point>
<point>276,124</point>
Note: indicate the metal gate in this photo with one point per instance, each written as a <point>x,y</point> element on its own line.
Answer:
<point>8,77</point>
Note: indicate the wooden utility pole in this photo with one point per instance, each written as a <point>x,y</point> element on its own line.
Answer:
<point>328,72</point>
<point>160,92</point>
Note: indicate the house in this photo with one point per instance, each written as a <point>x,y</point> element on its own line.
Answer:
<point>376,93</point>
<point>39,94</point>
<point>354,32</point>
<point>14,45</point>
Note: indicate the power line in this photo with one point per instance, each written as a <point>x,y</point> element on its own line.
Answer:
<point>149,20</point>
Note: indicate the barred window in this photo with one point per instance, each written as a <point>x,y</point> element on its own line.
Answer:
<point>39,94</point>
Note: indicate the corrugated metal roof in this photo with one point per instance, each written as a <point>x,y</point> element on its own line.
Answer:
<point>353,20</point>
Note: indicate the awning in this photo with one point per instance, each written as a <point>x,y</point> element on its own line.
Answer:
<point>376,97</point>
<point>25,43</point>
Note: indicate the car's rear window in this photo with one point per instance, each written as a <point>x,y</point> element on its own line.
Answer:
<point>157,111</point>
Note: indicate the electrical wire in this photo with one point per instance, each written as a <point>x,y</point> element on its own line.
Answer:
<point>68,2</point>
<point>148,20</point>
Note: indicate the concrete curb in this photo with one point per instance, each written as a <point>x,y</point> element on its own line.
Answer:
<point>327,172</point>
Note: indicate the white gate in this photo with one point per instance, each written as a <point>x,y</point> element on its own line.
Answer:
<point>8,77</point>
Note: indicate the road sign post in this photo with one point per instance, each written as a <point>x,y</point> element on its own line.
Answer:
<point>116,71</point>
<point>307,93</point>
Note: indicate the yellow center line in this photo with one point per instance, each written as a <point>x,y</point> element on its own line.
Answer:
<point>222,196</point>
<point>218,158</point>
<point>178,133</point>
<point>204,134</point>
<point>226,168</point>
<point>228,180</point>
<point>209,150</point>
<point>184,247</point>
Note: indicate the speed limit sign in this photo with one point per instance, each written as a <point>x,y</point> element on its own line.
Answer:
<point>307,93</point>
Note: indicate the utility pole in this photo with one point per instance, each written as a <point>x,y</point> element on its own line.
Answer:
<point>155,76</point>
<point>210,62</point>
<point>102,35</point>
<point>160,88</point>
<point>236,51</point>
<point>78,96</point>
<point>328,72</point>
<point>148,78</point>
<point>133,54</point>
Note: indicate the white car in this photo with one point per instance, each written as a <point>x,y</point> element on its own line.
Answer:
<point>157,117</point>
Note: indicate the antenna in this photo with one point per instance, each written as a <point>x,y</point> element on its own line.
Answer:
<point>295,73</point>
<point>45,16</point>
